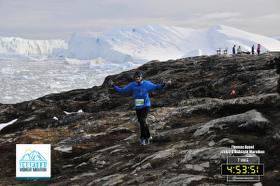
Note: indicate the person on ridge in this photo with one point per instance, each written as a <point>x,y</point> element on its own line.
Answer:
<point>140,89</point>
<point>259,49</point>
<point>253,50</point>
<point>233,49</point>
<point>239,50</point>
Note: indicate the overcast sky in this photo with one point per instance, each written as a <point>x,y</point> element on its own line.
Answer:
<point>45,19</point>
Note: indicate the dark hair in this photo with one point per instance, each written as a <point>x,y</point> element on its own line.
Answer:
<point>138,74</point>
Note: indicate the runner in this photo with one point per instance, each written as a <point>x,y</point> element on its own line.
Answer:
<point>140,89</point>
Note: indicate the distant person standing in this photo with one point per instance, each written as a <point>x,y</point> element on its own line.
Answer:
<point>259,49</point>
<point>253,49</point>
<point>239,50</point>
<point>219,51</point>
<point>225,51</point>
<point>233,49</point>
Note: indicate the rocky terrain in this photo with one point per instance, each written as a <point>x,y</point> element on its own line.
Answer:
<point>213,102</point>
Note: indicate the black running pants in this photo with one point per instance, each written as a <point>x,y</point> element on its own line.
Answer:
<point>142,116</point>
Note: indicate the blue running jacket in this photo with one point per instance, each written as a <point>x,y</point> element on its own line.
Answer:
<point>140,92</point>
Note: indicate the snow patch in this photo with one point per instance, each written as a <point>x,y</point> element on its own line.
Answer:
<point>55,118</point>
<point>3,125</point>
<point>64,148</point>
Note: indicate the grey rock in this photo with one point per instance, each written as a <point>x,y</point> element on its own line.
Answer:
<point>251,120</point>
<point>110,180</point>
<point>182,179</point>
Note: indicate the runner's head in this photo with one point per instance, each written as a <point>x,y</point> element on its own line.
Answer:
<point>138,76</point>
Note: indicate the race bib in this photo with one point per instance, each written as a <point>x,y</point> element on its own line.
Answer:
<point>139,102</point>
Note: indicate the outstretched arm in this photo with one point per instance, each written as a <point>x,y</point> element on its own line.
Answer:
<point>164,84</point>
<point>151,86</point>
<point>125,89</point>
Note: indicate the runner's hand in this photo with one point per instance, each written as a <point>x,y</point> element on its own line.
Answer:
<point>111,82</point>
<point>166,83</point>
